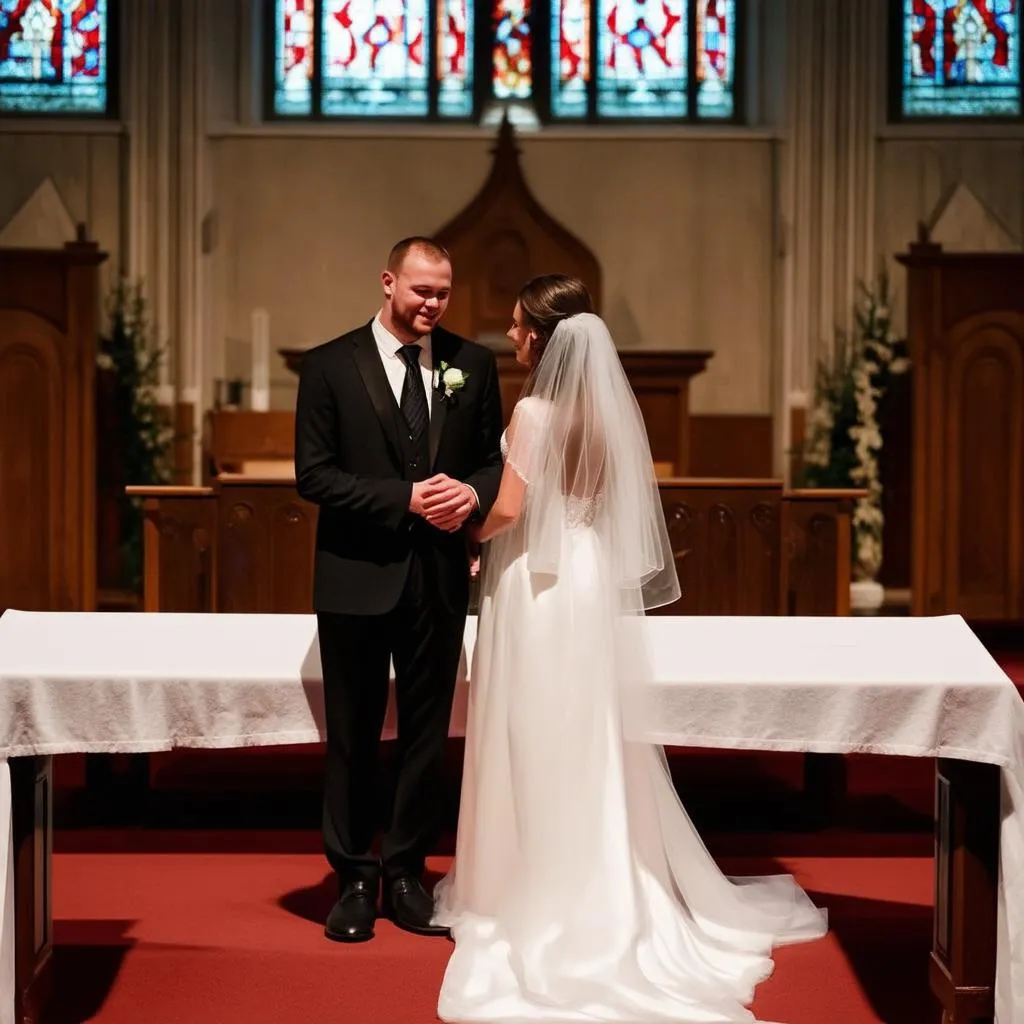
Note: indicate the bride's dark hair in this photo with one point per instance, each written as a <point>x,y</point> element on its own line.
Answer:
<point>547,300</point>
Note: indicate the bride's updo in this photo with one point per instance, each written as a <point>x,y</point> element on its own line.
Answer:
<point>546,301</point>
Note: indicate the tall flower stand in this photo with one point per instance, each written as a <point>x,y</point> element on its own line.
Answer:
<point>866,597</point>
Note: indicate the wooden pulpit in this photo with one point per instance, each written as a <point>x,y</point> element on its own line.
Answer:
<point>49,316</point>
<point>965,324</point>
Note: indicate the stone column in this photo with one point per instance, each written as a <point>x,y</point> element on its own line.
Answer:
<point>164,99</point>
<point>835,89</point>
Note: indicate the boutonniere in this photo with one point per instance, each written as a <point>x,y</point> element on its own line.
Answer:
<point>448,380</point>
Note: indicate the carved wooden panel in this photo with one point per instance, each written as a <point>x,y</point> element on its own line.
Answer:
<point>963,959</point>
<point>966,339</point>
<point>247,546</point>
<point>816,530</point>
<point>32,827</point>
<point>266,544</point>
<point>110,483</point>
<point>32,455</point>
<point>180,564</point>
<point>48,317</point>
<point>726,538</point>
<point>985,470</point>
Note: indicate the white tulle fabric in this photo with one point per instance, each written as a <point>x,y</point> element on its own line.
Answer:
<point>580,889</point>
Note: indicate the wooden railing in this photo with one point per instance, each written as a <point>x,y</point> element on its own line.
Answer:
<point>742,547</point>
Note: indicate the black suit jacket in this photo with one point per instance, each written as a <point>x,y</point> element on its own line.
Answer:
<point>353,460</point>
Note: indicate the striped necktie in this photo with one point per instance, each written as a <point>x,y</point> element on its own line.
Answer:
<point>414,398</point>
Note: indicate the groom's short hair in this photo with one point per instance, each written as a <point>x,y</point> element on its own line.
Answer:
<point>417,243</point>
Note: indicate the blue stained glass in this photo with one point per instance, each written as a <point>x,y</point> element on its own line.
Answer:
<point>53,56</point>
<point>961,58</point>
<point>293,58</point>
<point>716,58</point>
<point>455,42</point>
<point>642,50</point>
<point>375,58</point>
<point>570,57</point>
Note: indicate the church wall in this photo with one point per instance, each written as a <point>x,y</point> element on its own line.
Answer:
<point>692,228</point>
<point>917,174</point>
<point>682,230</point>
<point>86,170</point>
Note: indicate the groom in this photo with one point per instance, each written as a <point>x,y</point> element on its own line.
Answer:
<point>396,461</point>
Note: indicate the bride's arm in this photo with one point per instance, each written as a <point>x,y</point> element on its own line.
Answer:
<point>507,507</point>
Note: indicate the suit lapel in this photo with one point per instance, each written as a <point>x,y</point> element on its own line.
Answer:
<point>441,350</point>
<point>375,380</point>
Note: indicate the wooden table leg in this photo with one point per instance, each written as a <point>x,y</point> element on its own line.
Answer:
<point>824,787</point>
<point>32,807</point>
<point>963,960</point>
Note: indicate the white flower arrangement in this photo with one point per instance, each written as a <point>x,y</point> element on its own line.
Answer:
<point>844,436</point>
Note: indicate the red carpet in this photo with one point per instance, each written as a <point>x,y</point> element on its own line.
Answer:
<point>1013,665</point>
<point>197,937</point>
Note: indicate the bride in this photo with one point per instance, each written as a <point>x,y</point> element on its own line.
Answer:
<point>580,889</point>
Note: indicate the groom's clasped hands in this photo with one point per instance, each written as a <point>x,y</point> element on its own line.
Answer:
<point>443,502</point>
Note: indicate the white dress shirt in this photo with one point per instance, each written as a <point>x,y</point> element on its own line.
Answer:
<point>394,365</point>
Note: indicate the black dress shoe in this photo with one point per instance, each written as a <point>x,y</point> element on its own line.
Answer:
<point>408,904</point>
<point>351,918</point>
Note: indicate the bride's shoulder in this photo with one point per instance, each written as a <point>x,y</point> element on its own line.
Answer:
<point>528,412</point>
<point>529,406</point>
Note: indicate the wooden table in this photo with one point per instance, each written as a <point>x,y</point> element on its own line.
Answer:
<point>964,953</point>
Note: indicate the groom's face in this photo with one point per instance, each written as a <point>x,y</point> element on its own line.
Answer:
<point>417,293</point>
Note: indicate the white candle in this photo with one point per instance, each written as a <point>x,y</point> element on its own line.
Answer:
<point>260,360</point>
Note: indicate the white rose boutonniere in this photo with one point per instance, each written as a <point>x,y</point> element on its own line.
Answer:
<point>449,380</point>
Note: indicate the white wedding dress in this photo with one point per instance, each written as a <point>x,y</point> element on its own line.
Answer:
<point>580,889</point>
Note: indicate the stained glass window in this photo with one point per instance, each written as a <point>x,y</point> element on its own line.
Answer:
<point>512,52</point>
<point>570,57</point>
<point>961,58</point>
<point>716,57</point>
<point>293,58</point>
<point>455,48</point>
<point>375,58</point>
<point>670,60</point>
<point>643,59</point>
<point>53,56</point>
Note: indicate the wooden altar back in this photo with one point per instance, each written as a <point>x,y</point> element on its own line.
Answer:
<point>263,443</point>
<point>258,444</point>
<point>965,320</point>
<point>49,313</point>
<point>661,384</point>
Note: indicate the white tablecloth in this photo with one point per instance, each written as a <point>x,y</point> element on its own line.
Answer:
<point>922,687</point>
